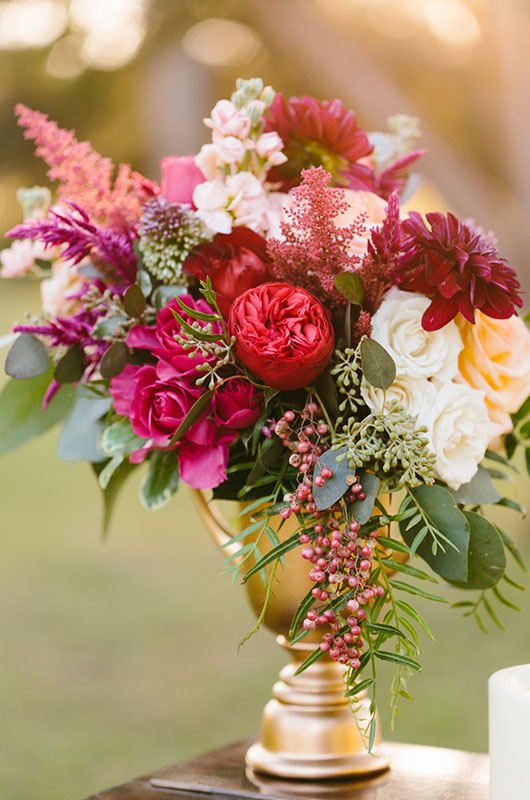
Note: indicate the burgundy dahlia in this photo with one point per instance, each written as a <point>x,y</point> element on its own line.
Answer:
<point>457,267</point>
<point>319,133</point>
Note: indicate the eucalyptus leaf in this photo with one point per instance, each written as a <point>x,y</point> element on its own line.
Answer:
<point>377,365</point>
<point>71,366</point>
<point>161,481</point>
<point>108,327</point>
<point>479,491</point>
<point>487,558</point>
<point>336,486</point>
<point>79,440</point>
<point>21,414</point>
<point>438,505</point>
<point>162,295</point>
<point>362,509</point>
<point>89,270</point>
<point>351,286</point>
<point>27,358</point>
<point>134,301</point>
<point>115,360</point>
<point>144,282</point>
<point>118,438</point>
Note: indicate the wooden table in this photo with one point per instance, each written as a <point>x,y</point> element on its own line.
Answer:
<point>418,773</point>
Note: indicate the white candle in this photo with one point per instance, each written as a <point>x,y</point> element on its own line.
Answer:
<point>509,733</point>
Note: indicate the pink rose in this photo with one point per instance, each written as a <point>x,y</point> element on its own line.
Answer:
<point>237,404</point>
<point>283,334</point>
<point>156,401</point>
<point>180,176</point>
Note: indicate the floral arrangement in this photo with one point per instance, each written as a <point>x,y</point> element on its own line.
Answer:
<point>270,325</point>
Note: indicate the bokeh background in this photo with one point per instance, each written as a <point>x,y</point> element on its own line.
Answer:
<point>118,657</point>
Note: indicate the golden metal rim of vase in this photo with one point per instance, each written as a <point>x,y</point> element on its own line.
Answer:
<point>295,766</point>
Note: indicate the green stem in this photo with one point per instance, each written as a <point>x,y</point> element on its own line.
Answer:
<point>265,604</point>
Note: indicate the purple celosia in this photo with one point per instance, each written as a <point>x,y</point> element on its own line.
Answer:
<point>82,238</point>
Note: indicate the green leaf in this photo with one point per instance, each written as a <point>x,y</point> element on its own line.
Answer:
<point>26,358</point>
<point>134,301</point>
<point>438,505</point>
<point>71,366</point>
<point>492,615</point>
<point>513,549</point>
<point>21,414</point>
<point>194,333</point>
<point>407,569</point>
<point>411,611</point>
<point>406,587</point>
<point>118,438</point>
<point>397,658</point>
<point>351,286</point>
<point>507,502</point>
<point>115,360</point>
<point>504,600</point>
<point>500,459</point>
<point>388,630</point>
<point>314,656</point>
<point>523,411</point>
<point>269,453</point>
<point>112,490</point>
<point>377,365</point>
<point>194,314</point>
<point>336,486</point>
<point>393,544</point>
<point>161,481</point>
<point>273,555</point>
<point>510,444</point>
<point>80,436</point>
<point>300,613</point>
<point>108,470</point>
<point>107,328</point>
<point>487,559</point>
<point>144,282</point>
<point>513,583</point>
<point>359,687</point>
<point>527,459</point>
<point>479,491</point>
<point>362,509</point>
<point>196,411</point>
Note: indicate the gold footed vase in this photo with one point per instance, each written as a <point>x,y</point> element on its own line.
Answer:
<point>308,730</point>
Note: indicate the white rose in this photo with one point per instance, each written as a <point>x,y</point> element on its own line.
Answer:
<point>417,353</point>
<point>412,396</point>
<point>211,199</point>
<point>458,431</point>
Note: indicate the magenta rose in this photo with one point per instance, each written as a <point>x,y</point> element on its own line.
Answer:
<point>180,176</point>
<point>283,334</point>
<point>234,261</point>
<point>156,401</point>
<point>237,404</point>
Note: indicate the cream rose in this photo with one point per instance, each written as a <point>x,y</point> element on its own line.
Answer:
<point>57,291</point>
<point>417,353</point>
<point>359,202</point>
<point>413,396</point>
<point>459,430</point>
<point>496,360</point>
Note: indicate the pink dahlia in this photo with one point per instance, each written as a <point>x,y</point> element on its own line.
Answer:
<point>457,267</point>
<point>319,133</point>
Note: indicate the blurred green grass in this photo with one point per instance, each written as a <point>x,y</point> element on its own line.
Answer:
<point>118,657</point>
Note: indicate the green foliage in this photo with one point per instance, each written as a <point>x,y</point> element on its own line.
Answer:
<point>161,481</point>
<point>111,489</point>
<point>351,286</point>
<point>336,486</point>
<point>71,366</point>
<point>487,559</point>
<point>479,491</point>
<point>21,414</point>
<point>26,358</point>
<point>134,301</point>
<point>115,360</point>
<point>434,528</point>
<point>80,436</point>
<point>195,412</point>
<point>377,365</point>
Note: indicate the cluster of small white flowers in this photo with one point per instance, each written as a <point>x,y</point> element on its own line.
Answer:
<point>236,162</point>
<point>454,414</point>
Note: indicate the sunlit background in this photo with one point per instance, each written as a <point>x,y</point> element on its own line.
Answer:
<point>120,657</point>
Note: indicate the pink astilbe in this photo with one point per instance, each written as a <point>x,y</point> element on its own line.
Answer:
<point>394,177</point>
<point>85,177</point>
<point>315,248</point>
<point>384,250</point>
<point>111,246</point>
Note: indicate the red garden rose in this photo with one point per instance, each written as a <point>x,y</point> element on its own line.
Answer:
<point>283,334</point>
<point>234,261</point>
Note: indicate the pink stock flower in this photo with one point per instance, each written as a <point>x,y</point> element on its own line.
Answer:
<point>180,176</point>
<point>17,260</point>
<point>237,404</point>
<point>456,267</point>
<point>319,133</point>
